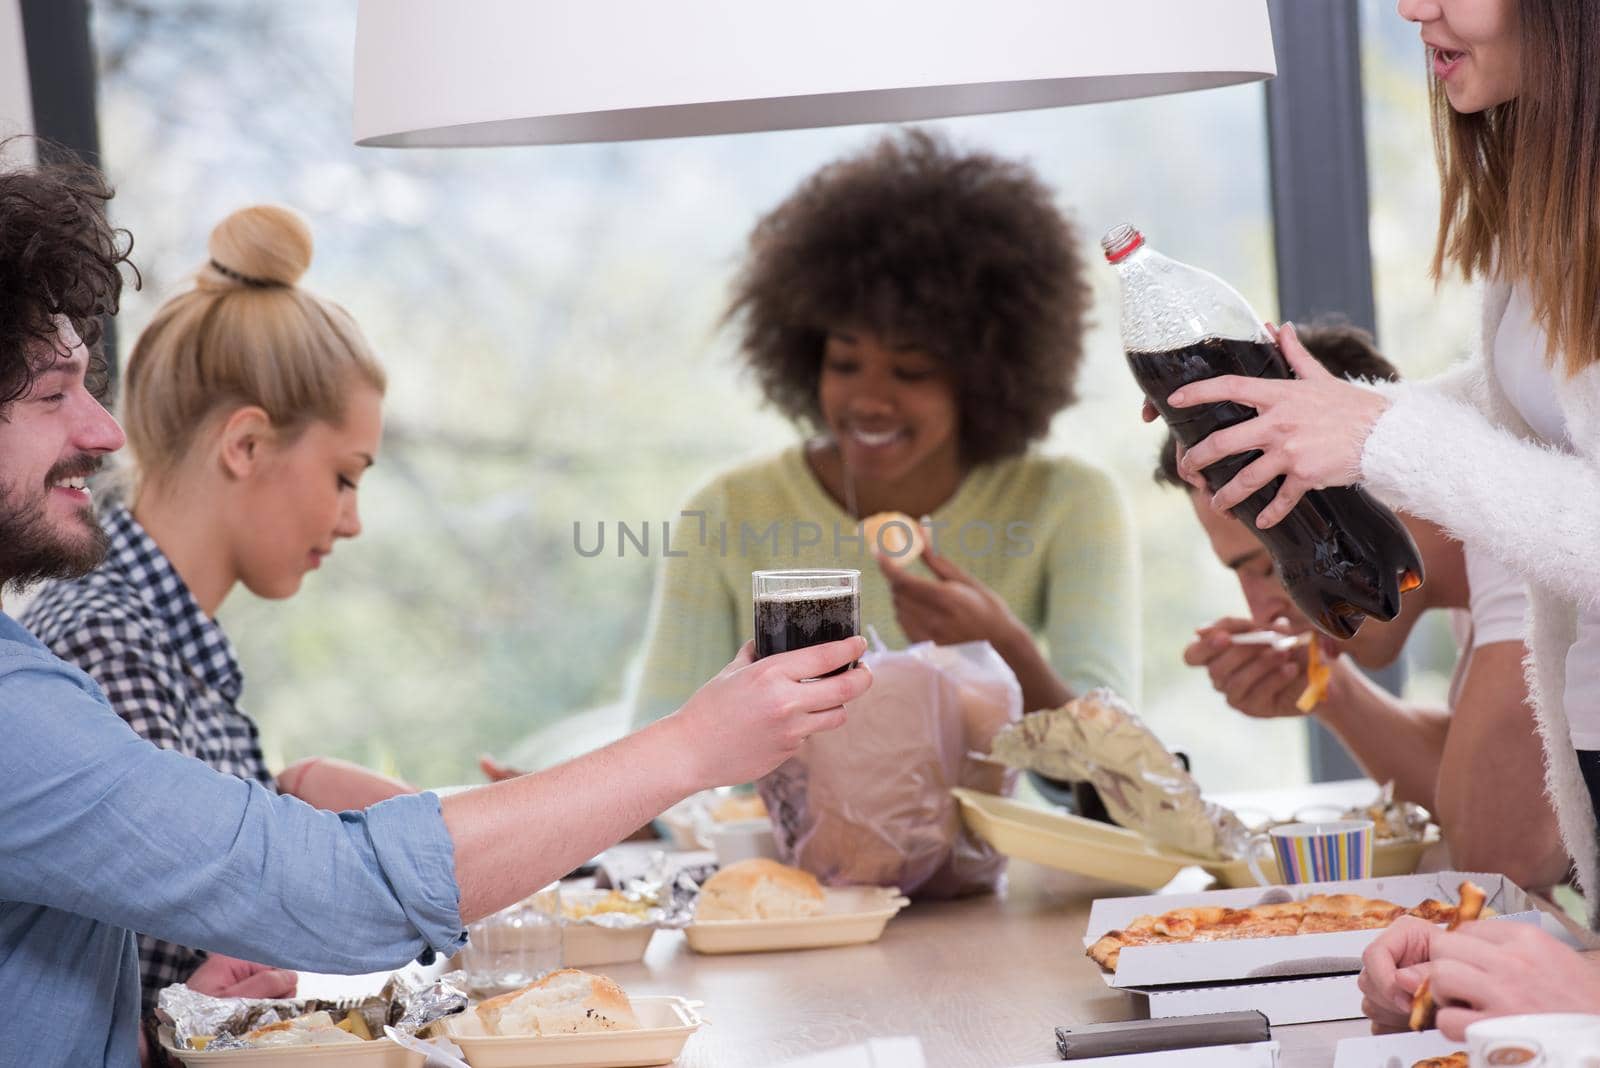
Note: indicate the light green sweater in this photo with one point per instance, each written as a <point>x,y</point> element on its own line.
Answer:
<point>1050,535</point>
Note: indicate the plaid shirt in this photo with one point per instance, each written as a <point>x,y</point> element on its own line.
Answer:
<point>168,670</point>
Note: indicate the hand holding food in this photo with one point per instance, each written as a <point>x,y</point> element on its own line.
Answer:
<point>950,608</point>
<point>1262,673</point>
<point>1397,952</point>
<point>1423,1009</point>
<point>1502,969</point>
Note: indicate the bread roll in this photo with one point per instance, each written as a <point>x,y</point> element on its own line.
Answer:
<point>759,889</point>
<point>895,535</point>
<point>565,1002</point>
<point>314,1029</point>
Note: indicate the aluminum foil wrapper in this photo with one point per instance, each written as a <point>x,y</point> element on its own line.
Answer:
<point>405,1003</point>
<point>659,877</point>
<point>1098,739</point>
<point>1392,820</point>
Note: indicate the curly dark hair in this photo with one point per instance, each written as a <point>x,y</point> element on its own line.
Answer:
<point>1340,346</point>
<point>58,256</point>
<point>962,255</point>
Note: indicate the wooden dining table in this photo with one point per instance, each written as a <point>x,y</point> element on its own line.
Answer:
<point>981,982</point>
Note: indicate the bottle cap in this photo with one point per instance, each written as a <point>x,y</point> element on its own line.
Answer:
<point>1120,242</point>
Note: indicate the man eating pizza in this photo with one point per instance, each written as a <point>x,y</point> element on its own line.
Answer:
<point>1475,764</point>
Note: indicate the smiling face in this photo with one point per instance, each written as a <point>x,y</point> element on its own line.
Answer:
<point>299,498</point>
<point>1475,48</point>
<point>892,410</point>
<point>50,440</point>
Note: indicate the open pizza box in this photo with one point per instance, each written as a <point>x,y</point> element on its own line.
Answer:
<point>1293,979</point>
<point>1393,1051</point>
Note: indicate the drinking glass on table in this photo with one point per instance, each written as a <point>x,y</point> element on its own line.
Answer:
<point>797,608</point>
<point>516,945</point>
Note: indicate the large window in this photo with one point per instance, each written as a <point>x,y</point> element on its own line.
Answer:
<point>550,319</point>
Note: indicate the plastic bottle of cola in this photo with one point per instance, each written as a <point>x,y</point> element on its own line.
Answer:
<point>1340,554</point>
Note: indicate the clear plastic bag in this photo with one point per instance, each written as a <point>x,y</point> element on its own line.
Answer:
<point>870,804</point>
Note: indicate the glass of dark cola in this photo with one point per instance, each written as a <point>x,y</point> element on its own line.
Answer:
<point>797,608</point>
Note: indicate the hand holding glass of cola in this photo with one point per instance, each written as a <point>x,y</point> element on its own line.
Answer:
<point>798,608</point>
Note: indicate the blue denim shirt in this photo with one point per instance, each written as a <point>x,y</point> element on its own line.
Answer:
<point>103,834</point>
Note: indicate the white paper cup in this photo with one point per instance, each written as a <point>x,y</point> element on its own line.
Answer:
<point>743,840</point>
<point>1551,1040</point>
<point>1315,852</point>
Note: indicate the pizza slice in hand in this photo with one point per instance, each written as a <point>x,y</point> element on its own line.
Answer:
<point>1423,1009</point>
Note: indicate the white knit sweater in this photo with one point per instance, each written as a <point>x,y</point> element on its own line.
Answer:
<point>1453,450</point>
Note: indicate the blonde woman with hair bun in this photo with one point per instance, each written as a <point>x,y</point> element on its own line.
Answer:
<point>252,408</point>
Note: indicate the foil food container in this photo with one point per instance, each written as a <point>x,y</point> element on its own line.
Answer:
<point>405,1004</point>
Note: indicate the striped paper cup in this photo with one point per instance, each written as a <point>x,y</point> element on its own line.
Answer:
<point>1323,852</point>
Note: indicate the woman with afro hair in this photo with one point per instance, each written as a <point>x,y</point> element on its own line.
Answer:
<point>919,313</point>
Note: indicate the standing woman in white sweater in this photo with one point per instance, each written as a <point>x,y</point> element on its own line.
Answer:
<point>1504,451</point>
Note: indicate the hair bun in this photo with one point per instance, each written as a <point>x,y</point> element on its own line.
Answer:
<point>265,244</point>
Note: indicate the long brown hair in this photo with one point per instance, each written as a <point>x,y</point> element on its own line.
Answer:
<point>1521,181</point>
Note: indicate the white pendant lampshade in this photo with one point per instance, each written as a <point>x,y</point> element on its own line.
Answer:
<point>500,72</point>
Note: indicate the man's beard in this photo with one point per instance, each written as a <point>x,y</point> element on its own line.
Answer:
<point>32,551</point>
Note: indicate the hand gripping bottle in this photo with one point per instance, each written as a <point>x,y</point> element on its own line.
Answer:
<point>1340,554</point>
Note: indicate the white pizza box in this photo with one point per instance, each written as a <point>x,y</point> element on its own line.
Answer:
<point>1248,1055</point>
<point>1292,1001</point>
<point>1286,957</point>
<point>1393,1051</point>
<point>1283,1002</point>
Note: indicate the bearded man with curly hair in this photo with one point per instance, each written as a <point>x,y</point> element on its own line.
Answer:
<point>60,272</point>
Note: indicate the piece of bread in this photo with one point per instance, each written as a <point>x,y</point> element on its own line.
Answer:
<point>565,1002</point>
<point>759,889</point>
<point>739,807</point>
<point>314,1029</point>
<point>895,535</point>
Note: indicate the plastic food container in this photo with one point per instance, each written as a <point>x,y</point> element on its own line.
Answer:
<point>584,945</point>
<point>379,1053</point>
<point>666,1024</point>
<point>852,915</point>
<point>587,945</point>
<point>1116,854</point>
